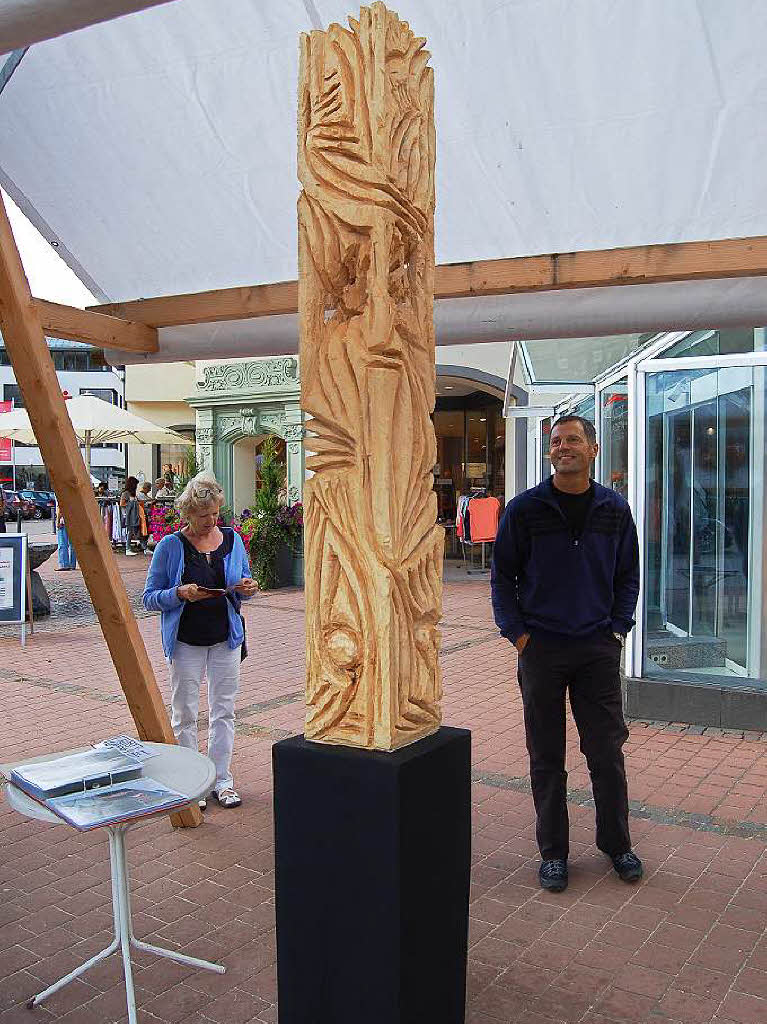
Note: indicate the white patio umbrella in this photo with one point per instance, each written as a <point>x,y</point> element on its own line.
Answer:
<point>95,422</point>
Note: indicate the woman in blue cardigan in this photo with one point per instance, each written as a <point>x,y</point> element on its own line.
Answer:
<point>197,579</point>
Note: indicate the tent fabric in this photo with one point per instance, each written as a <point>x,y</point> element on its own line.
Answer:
<point>158,151</point>
<point>28,21</point>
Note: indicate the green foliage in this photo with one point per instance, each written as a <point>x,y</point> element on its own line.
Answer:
<point>270,525</point>
<point>191,468</point>
<point>267,499</point>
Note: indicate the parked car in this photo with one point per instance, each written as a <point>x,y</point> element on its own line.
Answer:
<point>44,505</point>
<point>14,503</point>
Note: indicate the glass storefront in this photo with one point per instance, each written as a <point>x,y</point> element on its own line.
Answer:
<point>471,448</point>
<point>612,433</point>
<point>704,545</point>
<point>682,427</point>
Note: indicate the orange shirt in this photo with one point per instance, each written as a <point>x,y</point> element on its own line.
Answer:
<point>485,514</point>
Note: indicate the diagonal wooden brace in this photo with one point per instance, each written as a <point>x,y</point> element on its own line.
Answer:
<point>33,366</point>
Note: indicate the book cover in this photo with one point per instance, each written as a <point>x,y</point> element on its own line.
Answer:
<point>90,769</point>
<point>133,799</point>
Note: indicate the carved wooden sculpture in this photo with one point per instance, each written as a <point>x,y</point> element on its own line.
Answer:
<point>373,551</point>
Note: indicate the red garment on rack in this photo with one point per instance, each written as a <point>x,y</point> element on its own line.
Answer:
<point>485,514</point>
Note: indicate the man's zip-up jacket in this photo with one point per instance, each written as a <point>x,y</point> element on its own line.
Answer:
<point>545,578</point>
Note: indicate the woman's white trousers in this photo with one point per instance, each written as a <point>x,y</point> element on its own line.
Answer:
<point>188,667</point>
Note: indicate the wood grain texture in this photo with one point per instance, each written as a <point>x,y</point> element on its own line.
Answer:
<point>598,268</point>
<point>373,551</point>
<point>60,321</point>
<point>33,366</point>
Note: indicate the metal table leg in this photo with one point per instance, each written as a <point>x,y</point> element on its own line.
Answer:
<point>180,958</point>
<point>124,937</point>
<point>111,948</point>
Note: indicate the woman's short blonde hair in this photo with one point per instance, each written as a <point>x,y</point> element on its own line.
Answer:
<point>201,491</point>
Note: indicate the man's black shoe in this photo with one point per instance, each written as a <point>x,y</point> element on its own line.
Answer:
<point>552,874</point>
<point>628,866</point>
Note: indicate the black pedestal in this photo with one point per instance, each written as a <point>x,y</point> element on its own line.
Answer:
<point>372,880</point>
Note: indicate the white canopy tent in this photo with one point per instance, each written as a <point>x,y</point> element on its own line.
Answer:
<point>157,152</point>
<point>94,422</point>
<point>28,21</point>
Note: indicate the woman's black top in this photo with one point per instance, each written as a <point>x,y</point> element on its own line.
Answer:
<point>204,623</point>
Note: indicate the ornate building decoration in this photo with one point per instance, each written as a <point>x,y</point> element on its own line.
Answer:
<point>257,373</point>
<point>366,283</point>
<point>205,439</point>
<point>250,422</point>
<point>293,432</point>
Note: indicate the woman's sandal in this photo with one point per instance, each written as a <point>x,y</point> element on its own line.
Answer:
<point>227,797</point>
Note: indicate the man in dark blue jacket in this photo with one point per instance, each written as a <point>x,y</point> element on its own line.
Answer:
<point>565,581</point>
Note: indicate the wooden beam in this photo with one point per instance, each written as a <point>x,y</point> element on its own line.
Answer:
<point>96,328</point>
<point>208,307</point>
<point>643,264</point>
<point>33,366</point>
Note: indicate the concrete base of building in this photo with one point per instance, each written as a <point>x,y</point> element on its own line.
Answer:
<point>731,706</point>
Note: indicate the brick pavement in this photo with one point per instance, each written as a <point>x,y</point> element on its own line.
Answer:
<point>688,945</point>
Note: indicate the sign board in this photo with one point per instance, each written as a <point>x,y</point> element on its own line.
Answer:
<point>14,572</point>
<point>6,444</point>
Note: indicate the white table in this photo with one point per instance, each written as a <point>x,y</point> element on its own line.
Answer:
<point>179,768</point>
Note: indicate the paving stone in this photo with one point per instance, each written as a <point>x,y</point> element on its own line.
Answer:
<point>692,934</point>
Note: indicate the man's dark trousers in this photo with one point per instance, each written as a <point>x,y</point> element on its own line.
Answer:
<point>590,668</point>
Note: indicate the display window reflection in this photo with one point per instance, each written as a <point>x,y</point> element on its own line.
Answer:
<point>612,434</point>
<point>705,549</point>
<point>471,450</point>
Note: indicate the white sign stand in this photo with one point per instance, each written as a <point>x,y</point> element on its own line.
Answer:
<point>14,565</point>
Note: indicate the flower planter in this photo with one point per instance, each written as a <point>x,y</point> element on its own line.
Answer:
<point>290,568</point>
<point>298,570</point>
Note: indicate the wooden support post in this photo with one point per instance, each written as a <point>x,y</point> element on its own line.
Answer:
<point>45,404</point>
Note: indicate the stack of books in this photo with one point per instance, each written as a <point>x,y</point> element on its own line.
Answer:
<point>101,786</point>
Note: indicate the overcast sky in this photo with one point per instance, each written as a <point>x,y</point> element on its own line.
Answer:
<point>48,275</point>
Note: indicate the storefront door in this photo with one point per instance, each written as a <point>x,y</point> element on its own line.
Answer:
<point>700,541</point>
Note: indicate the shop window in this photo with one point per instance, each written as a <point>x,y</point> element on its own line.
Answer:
<point>12,393</point>
<point>104,394</point>
<point>79,359</point>
<point>471,449</point>
<point>584,408</point>
<point>448,477</point>
<point>705,546</point>
<point>476,449</point>
<point>173,457</point>
<point>612,435</point>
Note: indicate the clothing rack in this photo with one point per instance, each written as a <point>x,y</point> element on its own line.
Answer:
<point>112,518</point>
<point>463,522</point>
